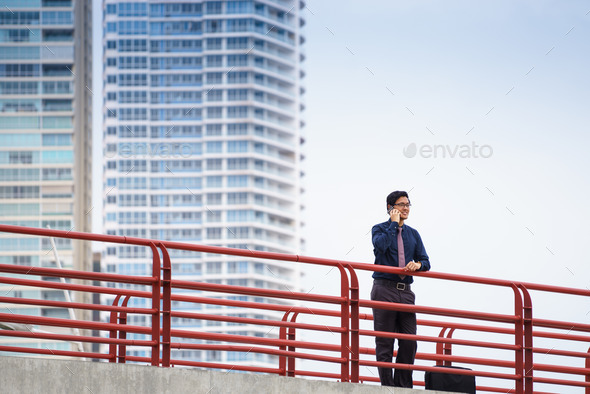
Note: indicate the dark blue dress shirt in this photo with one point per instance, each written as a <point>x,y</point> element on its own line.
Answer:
<point>385,249</point>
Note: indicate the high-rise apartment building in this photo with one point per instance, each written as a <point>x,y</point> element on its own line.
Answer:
<point>202,137</point>
<point>45,138</point>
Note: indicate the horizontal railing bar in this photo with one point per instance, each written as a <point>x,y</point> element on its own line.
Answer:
<point>253,340</point>
<point>558,352</point>
<point>555,289</point>
<point>469,279</point>
<point>570,326</point>
<point>73,274</point>
<point>256,305</point>
<point>566,336</point>
<point>54,352</point>
<point>43,232</point>
<point>561,369</point>
<point>561,382</point>
<point>439,311</point>
<point>411,337</point>
<point>263,322</point>
<point>254,349</point>
<point>68,323</point>
<point>253,291</point>
<point>75,338</point>
<point>452,358</point>
<point>235,252</point>
<point>76,287</point>
<point>75,305</point>
<point>467,327</point>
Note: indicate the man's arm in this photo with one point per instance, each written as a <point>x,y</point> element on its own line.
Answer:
<point>421,255</point>
<point>383,238</point>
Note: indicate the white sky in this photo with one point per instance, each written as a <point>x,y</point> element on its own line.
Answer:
<point>449,64</point>
<point>510,75</point>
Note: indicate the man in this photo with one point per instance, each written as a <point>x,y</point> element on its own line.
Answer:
<point>396,245</point>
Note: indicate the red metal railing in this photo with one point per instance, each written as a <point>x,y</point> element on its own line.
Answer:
<point>518,372</point>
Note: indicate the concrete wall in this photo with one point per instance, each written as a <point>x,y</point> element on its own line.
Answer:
<point>35,375</point>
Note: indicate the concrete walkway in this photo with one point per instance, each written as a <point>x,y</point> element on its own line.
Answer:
<point>35,375</point>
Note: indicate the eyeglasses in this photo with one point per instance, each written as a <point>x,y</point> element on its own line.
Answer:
<point>403,205</point>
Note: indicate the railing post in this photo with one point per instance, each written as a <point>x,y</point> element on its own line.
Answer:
<point>444,348</point>
<point>155,305</point>
<point>291,337</point>
<point>166,305</point>
<point>345,324</point>
<point>354,326</point>
<point>113,333</point>
<point>528,339</point>
<point>283,336</point>
<point>518,340</point>
<point>440,347</point>
<point>588,375</point>
<point>122,320</point>
<point>448,348</point>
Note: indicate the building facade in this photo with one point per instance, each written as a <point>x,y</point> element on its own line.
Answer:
<point>45,138</point>
<point>202,143</point>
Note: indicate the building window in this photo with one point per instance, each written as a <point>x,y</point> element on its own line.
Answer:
<point>237,146</point>
<point>214,129</point>
<point>213,233</point>
<point>214,78</point>
<point>237,60</point>
<point>214,181</point>
<point>240,215</point>
<point>214,147</point>
<point>237,94</point>
<point>214,61</point>
<point>214,112</point>
<point>213,7</point>
<point>213,216</point>
<point>214,43</point>
<point>214,95</point>
<point>237,129</point>
<point>214,267</point>
<point>213,198</point>
<point>238,232</point>
<point>237,198</point>
<point>214,164</point>
<point>237,112</point>
<point>237,164</point>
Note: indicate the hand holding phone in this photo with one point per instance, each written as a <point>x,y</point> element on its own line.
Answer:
<point>394,214</point>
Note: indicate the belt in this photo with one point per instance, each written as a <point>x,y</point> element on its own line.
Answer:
<point>392,284</point>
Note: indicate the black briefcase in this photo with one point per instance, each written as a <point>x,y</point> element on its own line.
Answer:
<point>446,380</point>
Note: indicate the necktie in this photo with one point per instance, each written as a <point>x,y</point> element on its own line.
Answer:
<point>401,257</point>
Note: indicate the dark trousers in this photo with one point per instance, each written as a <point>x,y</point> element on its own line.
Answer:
<point>393,321</point>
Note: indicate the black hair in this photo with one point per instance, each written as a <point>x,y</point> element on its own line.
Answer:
<point>394,196</point>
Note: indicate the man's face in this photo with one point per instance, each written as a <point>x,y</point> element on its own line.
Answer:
<point>402,204</point>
